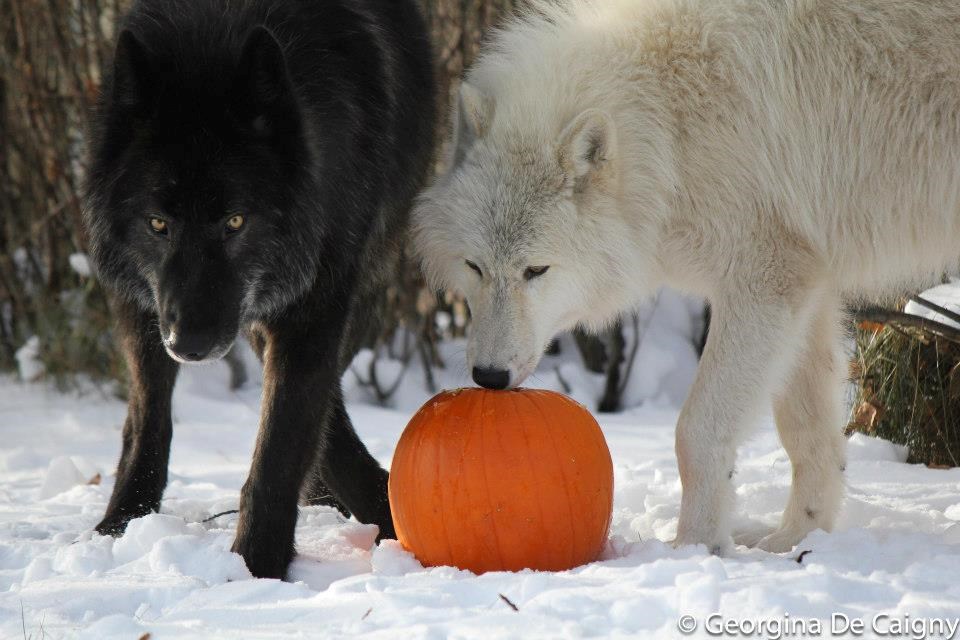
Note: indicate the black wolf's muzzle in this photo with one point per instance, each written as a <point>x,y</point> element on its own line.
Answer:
<point>187,342</point>
<point>199,308</point>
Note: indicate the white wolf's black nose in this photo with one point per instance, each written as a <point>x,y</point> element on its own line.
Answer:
<point>491,378</point>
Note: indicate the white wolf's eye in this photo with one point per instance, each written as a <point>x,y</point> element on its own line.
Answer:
<point>534,272</point>
<point>474,267</point>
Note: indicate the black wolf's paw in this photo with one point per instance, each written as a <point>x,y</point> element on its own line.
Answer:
<point>266,557</point>
<point>387,532</point>
<point>115,523</point>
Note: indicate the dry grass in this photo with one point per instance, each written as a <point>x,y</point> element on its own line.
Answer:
<point>909,390</point>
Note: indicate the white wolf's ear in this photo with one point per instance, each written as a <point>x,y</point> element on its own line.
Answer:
<point>475,110</point>
<point>471,119</point>
<point>587,147</point>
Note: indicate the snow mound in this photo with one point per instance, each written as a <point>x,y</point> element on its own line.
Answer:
<point>946,296</point>
<point>62,474</point>
<point>866,448</point>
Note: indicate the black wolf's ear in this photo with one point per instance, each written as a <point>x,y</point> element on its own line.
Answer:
<point>264,88</point>
<point>587,147</point>
<point>132,84</point>
<point>471,119</point>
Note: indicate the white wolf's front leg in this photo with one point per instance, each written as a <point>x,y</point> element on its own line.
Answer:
<point>751,340</point>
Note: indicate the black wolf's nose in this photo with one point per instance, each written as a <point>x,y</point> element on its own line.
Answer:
<point>191,347</point>
<point>491,378</point>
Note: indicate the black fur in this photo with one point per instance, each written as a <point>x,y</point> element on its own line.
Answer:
<point>313,120</point>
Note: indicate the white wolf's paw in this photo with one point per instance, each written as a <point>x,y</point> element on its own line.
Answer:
<point>782,540</point>
<point>716,545</point>
<point>751,537</point>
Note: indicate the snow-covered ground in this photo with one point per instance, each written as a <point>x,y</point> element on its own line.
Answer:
<point>896,550</point>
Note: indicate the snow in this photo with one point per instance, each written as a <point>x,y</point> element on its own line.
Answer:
<point>945,295</point>
<point>896,549</point>
<point>28,360</point>
<point>863,447</point>
<point>80,263</point>
<point>62,474</point>
<point>666,359</point>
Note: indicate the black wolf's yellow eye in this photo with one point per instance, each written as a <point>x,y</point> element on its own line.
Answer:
<point>535,272</point>
<point>158,225</point>
<point>235,222</point>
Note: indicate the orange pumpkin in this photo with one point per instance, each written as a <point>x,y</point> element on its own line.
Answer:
<point>502,481</point>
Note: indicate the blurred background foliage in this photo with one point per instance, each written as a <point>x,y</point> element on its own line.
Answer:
<point>51,54</point>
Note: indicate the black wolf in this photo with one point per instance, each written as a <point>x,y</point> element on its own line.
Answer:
<point>252,166</point>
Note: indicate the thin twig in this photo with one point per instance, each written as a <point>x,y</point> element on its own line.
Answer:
<point>638,338</point>
<point>222,513</point>
<point>427,366</point>
<point>384,394</point>
<point>610,401</point>
<point>372,382</point>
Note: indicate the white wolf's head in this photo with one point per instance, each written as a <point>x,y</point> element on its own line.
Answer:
<point>528,225</point>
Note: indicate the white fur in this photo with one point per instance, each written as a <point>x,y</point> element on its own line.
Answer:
<point>775,157</point>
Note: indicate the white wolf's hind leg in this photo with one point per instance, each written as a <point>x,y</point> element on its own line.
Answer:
<point>808,413</point>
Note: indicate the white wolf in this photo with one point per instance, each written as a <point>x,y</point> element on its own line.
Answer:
<point>772,156</point>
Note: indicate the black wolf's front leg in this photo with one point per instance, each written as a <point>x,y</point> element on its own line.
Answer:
<point>142,471</point>
<point>299,374</point>
<point>352,475</point>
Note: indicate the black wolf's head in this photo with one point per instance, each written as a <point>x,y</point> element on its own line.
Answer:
<point>198,157</point>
